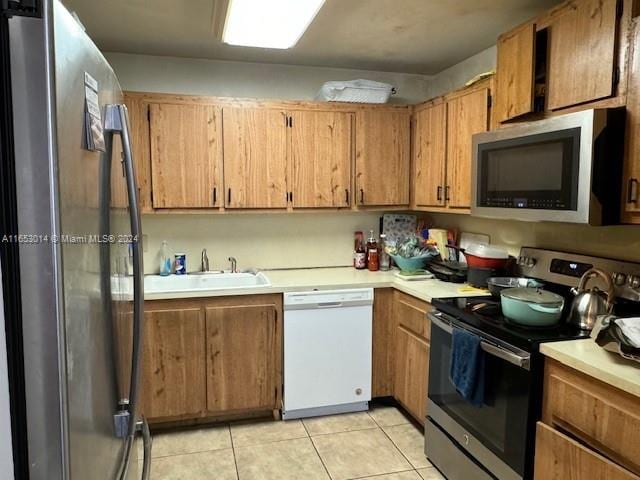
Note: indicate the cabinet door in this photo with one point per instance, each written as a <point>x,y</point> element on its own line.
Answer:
<point>429,155</point>
<point>119,192</point>
<point>241,358</point>
<point>321,152</point>
<point>382,157</point>
<point>631,187</point>
<point>582,53</point>
<point>255,158</point>
<point>141,146</point>
<point>515,73</point>
<point>173,361</point>
<point>466,115</point>
<point>186,154</point>
<point>559,457</point>
<point>411,372</point>
<point>383,344</point>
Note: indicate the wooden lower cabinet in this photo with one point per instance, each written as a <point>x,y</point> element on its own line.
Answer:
<point>589,429</point>
<point>401,332</point>
<point>558,457</point>
<point>411,373</point>
<point>382,348</point>
<point>242,357</point>
<point>206,357</point>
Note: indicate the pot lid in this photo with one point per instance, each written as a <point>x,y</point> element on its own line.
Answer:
<point>486,251</point>
<point>533,295</point>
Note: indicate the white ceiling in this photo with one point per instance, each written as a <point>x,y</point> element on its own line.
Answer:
<point>411,36</point>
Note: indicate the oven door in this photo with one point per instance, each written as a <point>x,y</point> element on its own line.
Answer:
<point>538,171</point>
<point>495,434</point>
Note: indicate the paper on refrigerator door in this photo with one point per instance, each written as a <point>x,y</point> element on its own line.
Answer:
<point>94,131</point>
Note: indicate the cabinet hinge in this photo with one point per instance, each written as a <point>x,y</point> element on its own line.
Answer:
<point>21,8</point>
<point>489,101</point>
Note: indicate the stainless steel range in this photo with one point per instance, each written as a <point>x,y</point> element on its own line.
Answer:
<point>497,439</point>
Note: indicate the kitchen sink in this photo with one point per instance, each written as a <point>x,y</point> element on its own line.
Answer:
<point>197,282</point>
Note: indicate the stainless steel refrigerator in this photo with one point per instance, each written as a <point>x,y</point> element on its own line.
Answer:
<point>71,232</point>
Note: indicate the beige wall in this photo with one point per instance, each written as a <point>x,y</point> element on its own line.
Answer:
<point>622,242</point>
<point>243,79</point>
<point>321,239</point>
<point>456,76</point>
<point>276,240</point>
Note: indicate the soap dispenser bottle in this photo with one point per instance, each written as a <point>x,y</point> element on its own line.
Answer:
<point>165,260</point>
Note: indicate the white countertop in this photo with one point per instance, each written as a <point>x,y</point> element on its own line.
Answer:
<point>589,358</point>
<point>295,280</point>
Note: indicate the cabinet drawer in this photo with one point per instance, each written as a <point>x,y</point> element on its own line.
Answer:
<point>558,457</point>
<point>597,414</point>
<point>411,313</point>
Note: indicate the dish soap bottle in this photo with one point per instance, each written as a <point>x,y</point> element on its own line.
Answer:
<point>165,260</point>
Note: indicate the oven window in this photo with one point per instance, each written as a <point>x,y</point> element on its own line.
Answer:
<point>501,423</point>
<point>537,171</point>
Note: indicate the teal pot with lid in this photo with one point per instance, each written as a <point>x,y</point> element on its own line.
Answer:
<point>532,307</point>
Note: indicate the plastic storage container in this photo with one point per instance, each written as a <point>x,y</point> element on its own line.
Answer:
<point>357,91</point>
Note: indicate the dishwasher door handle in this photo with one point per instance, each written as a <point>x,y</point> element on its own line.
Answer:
<point>329,304</point>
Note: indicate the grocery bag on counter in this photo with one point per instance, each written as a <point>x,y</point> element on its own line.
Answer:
<point>619,335</point>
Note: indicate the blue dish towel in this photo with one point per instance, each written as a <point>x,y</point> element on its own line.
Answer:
<point>467,366</point>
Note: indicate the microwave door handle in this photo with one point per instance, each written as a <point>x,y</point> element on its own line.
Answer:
<point>513,358</point>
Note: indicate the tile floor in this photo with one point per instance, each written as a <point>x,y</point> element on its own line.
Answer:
<point>380,444</point>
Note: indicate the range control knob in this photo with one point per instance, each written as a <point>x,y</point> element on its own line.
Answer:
<point>531,262</point>
<point>619,279</point>
<point>634,281</point>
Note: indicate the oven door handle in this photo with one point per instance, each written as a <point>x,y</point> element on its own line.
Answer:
<point>513,358</point>
<point>501,353</point>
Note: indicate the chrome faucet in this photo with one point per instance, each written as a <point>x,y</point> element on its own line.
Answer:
<point>204,264</point>
<point>234,268</point>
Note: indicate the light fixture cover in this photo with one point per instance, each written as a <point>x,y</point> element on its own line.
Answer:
<point>268,23</point>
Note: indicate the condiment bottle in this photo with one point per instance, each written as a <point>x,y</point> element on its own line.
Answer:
<point>385,260</point>
<point>359,255</point>
<point>372,253</point>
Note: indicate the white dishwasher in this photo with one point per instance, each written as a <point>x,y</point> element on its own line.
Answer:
<point>327,352</point>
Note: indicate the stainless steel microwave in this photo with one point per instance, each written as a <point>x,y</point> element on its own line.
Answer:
<point>566,168</point>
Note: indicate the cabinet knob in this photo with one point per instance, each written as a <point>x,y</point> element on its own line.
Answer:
<point>439,193</point>
<point>361,196</point>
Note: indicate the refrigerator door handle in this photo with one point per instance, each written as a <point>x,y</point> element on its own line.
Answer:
<point>117,121</point>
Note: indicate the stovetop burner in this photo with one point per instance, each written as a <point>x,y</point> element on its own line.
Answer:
<point>485,314</point>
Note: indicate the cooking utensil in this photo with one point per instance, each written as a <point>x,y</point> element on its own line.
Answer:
<point>532,307</point>
<point>497,284</point>
<point>478,277</point>
<point>455,272</point>
<point>484,256</point>
<point>588,304</point>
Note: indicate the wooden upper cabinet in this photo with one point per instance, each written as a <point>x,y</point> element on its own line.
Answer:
<point>119,192</point>
<point>320,158</point>
<point>582,53</point>
<point>140,145</point>
<point>515,73</point>
<point>242,357</point>
<point>186,155</point>
<point>382,157</point>
<point>467,114</point>
<point>255,157</point>
<point>429,155</point>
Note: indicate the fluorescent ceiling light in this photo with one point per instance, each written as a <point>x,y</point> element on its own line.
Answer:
<point>268,23</point>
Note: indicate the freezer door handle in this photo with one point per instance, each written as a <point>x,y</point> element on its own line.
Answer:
<point>117,122</point>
